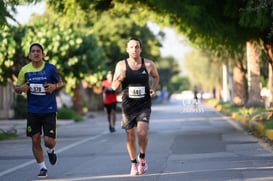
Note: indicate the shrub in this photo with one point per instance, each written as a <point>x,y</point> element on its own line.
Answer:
<point>4,136</point>
<point>269,124</point>
<point>65,113</point>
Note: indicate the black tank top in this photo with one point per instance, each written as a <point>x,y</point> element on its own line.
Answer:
<point>135,86</point>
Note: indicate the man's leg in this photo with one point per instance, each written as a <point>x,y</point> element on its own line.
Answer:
<point>131,143</point>
<point>109,116</point>
<point>38,154</point>
<point>142,132</point>
<point>131,148</point>
<point>113,118</point>
<point>37,148</point>
<point>50,144</point>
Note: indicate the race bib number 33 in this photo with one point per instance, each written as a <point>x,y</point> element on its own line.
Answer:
<point>136,91</point>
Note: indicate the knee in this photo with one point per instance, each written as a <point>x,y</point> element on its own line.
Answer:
<point>130,137</point>
<point>36,140</point>
<point>49,142</point>
<point>142,133</point>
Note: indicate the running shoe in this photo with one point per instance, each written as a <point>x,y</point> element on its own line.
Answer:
<point>134,169</point>
<point>112,129</point>
<point>43,173</point>
<point>143,166</point>
<point>52,158</point>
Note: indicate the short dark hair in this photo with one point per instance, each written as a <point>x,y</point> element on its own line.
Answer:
<point>36,44</point>
<point>136,39</point>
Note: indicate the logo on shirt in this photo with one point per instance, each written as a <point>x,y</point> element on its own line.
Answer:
<point>143,72</point>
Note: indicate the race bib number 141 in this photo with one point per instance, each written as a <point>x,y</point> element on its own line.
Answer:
<point>136,91</point>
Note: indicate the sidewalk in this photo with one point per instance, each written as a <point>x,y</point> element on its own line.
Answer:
<point>18,126</point>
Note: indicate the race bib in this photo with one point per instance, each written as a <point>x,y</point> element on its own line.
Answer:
<point>136,91</point>
<point>37,89</point>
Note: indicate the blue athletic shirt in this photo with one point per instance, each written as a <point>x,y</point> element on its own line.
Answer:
<point>39,101</point>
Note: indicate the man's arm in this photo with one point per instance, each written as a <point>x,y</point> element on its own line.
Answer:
<point>20,89</point>
<point>21,84</point>
<point>119,75</point>
<point>59,85</point>
<point>154,74</point>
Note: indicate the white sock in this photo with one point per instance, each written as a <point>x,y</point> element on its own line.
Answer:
<point>42,165</point>
<point>50,150</point>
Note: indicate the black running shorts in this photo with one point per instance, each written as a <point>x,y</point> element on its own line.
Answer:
<point>110,107</point>
<point>129,121</point>
<point>41,123</point>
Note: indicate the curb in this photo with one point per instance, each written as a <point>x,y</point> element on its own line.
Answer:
<point>269,134</point>
<point>19,126</point>
<point>258,127</point>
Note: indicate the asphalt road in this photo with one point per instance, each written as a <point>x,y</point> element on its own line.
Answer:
<point>185,144</point>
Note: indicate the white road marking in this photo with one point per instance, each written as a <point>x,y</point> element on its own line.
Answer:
<point>57,151</point>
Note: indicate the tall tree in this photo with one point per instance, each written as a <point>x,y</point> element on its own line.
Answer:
<point>219,28</point>
<point>112,30</point>
<point>168,67</point>
<point>226,23</point>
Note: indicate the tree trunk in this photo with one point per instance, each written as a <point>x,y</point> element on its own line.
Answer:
<point>77,99</point>
<point>239,96</point>
<point>95,100</point>
<point>269,52</point>
<point>225,92</point>
<point>218,93</point>
<point>253,67</point>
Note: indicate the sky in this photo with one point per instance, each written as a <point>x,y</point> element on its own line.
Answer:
<point>172,45</point>
<point>24,12</point>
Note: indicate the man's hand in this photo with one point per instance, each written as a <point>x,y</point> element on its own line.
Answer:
<point>50,87</point>
<point>152,92</point>
<point>22,88</point>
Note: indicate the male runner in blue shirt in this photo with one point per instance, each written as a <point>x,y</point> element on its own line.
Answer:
<point>39,80</point>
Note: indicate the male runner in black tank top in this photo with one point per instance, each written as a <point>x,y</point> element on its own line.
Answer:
<point>132,74</point>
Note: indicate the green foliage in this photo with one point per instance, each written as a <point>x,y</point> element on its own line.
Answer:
<point>257,14</point>
<point>4,136</point>
<point>215,22</point>
<point>167,68</point>
<point>203,70</point>
<point>65,113</point>
<point>75,54</point>
<point>113,29</point>
<point>269,124</point>
<point>264,69</point>
<point>7,43</point>
<point>211,25</point>
<point>178,83</point>
<point>240,110</point>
